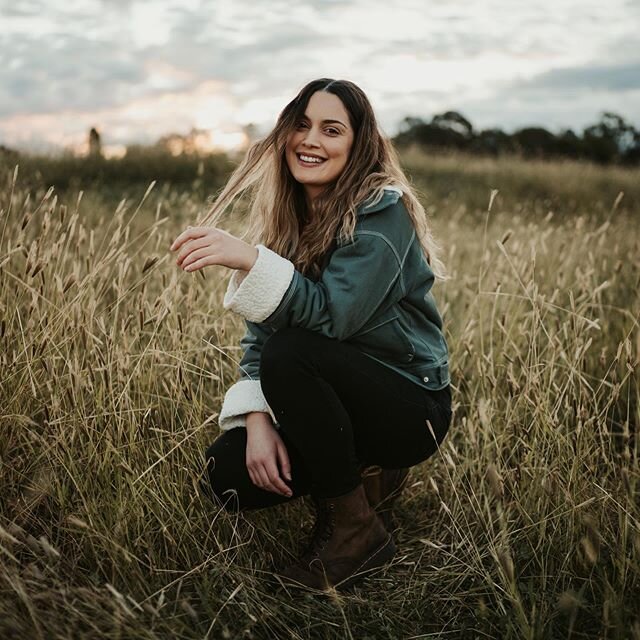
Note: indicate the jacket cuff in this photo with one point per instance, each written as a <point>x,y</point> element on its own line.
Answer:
<point>241,398</point>
<point>256,294</point>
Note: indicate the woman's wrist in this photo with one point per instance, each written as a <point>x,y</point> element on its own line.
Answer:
<point>258,419</point>
<point>253,256</point>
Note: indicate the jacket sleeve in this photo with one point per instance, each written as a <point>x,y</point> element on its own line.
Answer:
<point>246,394</point>
<point>359,277</point>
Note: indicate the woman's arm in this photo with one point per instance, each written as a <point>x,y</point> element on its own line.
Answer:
<point>362,278</point>
<point>359,278</point>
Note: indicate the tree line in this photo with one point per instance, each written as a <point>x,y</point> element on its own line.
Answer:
<point>612,140</point>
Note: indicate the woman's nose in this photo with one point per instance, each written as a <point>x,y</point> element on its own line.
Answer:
<point>311,139</point>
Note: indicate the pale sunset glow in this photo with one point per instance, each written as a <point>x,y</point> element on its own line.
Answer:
<point>139,71</point>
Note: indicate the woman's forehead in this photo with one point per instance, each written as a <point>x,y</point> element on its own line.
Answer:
<point>323,106</point>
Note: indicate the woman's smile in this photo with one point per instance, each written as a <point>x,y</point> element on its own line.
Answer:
<point>309,160</point>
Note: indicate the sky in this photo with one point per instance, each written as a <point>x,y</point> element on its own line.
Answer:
<point>137,70</point>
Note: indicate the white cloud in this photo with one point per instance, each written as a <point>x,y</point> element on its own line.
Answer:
<point>106,62</point>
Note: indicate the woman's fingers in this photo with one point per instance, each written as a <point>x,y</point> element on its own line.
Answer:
<point>277,484</point>
<point>196,255</point>
<point>206,261</point>
<point>266,477</point>
<point>265,481</point>
<point>255,478</point>
<point>190,247</point>
<point>283,460</point>
<point>190,233</point>
<point>255,473</point>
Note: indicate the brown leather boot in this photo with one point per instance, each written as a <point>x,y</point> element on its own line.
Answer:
<point>349,544</point>
<point>382,487</point>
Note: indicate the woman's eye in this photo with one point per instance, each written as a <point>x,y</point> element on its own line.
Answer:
<point>332,131</point>
<point>301,124</point>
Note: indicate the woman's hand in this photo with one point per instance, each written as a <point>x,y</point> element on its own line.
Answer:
<point>265,451</point>
<point>204,246</point>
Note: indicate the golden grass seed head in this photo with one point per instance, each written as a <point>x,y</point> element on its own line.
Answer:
<point>590,549</point>
<point>38,267</point>
<point>506,563</point>
<point>7,538</point>
<point>568,601</point>
<point>549,484</point>
<point>76,522</point>
<point>149,262</point>
<point>495,481</point>
<point>70,280</point>
<point>505,238</point>
<point>48,548</point>
<point>186,606</point>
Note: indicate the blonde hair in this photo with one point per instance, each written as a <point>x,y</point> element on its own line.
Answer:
<point>280,217</point>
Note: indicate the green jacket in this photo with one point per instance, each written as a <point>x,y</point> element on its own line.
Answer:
<point>374,293</point>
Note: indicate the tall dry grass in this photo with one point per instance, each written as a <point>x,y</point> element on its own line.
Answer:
<point>114,363</point>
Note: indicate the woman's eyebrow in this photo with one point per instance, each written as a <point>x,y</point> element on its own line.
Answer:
<point>327,121</point>
<point>334,122</point>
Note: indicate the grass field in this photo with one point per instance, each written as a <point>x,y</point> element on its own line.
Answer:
<point>114,364</point>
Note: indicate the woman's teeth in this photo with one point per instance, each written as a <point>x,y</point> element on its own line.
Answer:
<point>310,159</point>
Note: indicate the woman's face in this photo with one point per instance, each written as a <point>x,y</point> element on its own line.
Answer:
<point>318,148</point>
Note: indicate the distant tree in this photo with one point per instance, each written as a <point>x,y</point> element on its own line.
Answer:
<point>449,129</point>
<point>95,145</point>
<point>569,145</point>
<point>8,154</point>
<point>453,121</point>
<point>411,131</point>
<point>610,139</point>
<point>632,154</point>
<point>196,142</point>
<point>534,142</point>
<point>409,123</point>
<point>492,141</point>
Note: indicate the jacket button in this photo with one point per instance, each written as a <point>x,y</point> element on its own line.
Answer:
<point>426,378</point>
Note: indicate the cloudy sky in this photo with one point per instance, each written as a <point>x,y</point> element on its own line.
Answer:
<point>140,69</point>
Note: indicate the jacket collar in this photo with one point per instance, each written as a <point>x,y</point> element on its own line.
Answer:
<point>391,195</point>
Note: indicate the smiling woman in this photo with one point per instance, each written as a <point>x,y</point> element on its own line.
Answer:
<point>318,150</point>
<point>343,382</point>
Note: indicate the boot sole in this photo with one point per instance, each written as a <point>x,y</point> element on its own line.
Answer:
<point>385,552</point>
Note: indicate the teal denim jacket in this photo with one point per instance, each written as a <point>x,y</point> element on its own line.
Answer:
<point>374,293</point>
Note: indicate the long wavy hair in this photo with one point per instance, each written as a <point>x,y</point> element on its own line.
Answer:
<point>280,216</point>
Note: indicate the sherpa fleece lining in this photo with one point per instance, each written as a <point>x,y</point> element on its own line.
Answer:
<point>255,294</point>
<point>241,398</point>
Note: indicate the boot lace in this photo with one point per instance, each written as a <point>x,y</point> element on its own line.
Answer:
<point>322,529</point>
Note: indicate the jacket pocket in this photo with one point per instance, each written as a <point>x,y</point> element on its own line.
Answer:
<point>385,338</point>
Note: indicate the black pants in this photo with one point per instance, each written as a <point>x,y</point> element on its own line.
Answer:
<point>338,411</point>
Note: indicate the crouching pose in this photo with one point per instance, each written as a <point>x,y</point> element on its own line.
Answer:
<point>344,376</point>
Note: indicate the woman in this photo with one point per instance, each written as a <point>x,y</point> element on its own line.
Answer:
<point>344,380</point>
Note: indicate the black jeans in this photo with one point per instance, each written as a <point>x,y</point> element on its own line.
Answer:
<point>338,411</point>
